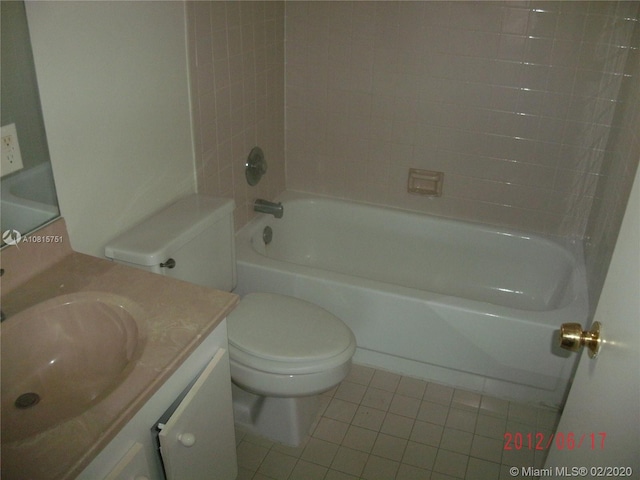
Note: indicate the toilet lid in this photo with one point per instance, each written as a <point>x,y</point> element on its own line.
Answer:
<point>285,329</point>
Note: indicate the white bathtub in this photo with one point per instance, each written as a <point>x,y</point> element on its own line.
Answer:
<point>28,199</point>
<point>456,303</point>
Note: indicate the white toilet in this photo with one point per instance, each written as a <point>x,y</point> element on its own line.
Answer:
<point>283,351</point>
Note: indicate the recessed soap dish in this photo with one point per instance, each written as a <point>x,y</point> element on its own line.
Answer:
<point>425,182</point>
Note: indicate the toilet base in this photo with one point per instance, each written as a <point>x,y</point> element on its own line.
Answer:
<point>285,420</point>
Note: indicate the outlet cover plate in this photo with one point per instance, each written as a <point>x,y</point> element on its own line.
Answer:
<point>11,157</point>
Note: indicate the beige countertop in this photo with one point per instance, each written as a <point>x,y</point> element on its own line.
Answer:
<point>178,316</point>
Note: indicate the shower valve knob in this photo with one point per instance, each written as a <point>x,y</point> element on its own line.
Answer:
<point>573,338</point>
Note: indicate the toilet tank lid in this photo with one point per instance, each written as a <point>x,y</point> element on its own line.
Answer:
<point>154,239</point>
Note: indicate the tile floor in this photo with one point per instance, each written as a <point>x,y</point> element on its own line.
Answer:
<point>378,425</point>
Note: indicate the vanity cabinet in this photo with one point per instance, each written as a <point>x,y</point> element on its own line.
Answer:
<point>197,438</point>
<point>133,466</point>
<point>194,443</point>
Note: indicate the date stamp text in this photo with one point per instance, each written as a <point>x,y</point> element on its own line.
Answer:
<point>558,440</point>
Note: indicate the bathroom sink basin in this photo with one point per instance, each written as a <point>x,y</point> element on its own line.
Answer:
<point>62,356</point>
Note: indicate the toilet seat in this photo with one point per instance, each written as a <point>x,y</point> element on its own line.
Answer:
<point>287,336</point>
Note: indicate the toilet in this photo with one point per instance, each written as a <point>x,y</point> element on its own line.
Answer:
<point>283,351</point>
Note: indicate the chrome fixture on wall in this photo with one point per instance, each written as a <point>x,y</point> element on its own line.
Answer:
<point>255,167</point>
<point>265,206</point>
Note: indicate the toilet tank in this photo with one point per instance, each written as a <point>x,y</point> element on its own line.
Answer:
<point>191,240</point>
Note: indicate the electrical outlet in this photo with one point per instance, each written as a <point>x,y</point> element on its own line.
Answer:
<point>11,158</point>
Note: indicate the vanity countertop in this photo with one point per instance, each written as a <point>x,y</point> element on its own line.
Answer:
<point>179,315</point>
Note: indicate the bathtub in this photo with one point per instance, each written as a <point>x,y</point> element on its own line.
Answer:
<point>28,199</point>
<point>456,303</point>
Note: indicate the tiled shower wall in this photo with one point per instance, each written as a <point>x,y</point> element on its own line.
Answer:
<point>236,55</point>
<point>618,172</point>
<point>530,108</point>
<point>513,101</point>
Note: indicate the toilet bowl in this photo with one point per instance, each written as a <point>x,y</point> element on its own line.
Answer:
<point>282,346</point>
<point>283,351</point>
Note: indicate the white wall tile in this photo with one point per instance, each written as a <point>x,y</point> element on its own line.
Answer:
<point>531,84</point>
<point>238,97</point>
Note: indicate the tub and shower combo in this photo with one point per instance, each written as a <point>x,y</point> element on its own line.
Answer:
<point>457,303</point>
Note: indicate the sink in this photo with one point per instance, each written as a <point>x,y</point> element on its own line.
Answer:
<point>63,356</point>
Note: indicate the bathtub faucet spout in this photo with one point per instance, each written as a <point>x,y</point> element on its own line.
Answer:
<point>265,206</point>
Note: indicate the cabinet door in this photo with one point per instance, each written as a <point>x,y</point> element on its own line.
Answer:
<point>198,441</point>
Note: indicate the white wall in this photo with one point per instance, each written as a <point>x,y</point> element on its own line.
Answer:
<point>114,89</point>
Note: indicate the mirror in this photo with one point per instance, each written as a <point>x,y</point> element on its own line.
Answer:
<point>28,194</point>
